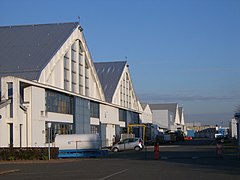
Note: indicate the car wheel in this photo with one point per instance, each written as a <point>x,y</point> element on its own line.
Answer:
<point>137,148</point>
<point>115,149</point>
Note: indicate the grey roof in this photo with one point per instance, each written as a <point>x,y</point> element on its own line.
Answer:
<point>172,107</point>
<point>26,50</point>
<point>109,74</point>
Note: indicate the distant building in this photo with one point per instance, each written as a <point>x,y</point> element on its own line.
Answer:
<point>168,116</point>
<point>146,115</point>
<point>198,127</point>
<point>233,128</point>
<point>206,133</point>
<point>201,131</point>
<point>237,117</point>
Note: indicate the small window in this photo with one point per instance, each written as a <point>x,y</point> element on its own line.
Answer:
<point>122,115</point>
<point>10,96</point>
<point>94,109</point>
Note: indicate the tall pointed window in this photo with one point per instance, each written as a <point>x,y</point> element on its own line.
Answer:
<point>74,67</point>
<point>86,79</point>
<point>66,71</point>
<point>81,70</point>
<point>126,92</point>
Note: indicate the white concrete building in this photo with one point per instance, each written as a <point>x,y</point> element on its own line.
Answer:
<point>146,115</point>
<point>237,117</point>
<point>233,128</point>
<point>48,76</point>
<point>118,90</point>
<point>168,116</point>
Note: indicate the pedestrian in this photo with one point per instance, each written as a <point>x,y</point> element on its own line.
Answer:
<point>219,150</point>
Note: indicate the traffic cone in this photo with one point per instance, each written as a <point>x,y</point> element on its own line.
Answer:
<point>156,151</point>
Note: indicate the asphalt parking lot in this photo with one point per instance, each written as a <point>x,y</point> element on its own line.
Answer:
<point>176,161</point>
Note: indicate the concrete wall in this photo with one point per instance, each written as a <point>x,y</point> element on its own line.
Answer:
<point>36,118</point>
<point>109,117</point>
<point>107,134</point>
<point>109,114</point>
<point>17,119</point>
<point>146,116</point>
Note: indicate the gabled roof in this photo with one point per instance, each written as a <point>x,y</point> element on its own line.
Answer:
<point>172,107</point>
<point>181,115</point>
<point>180,111</point>
<point>144,105</point>
<point>26,50</point>
<point>109,74</point>
<point>166,106</point>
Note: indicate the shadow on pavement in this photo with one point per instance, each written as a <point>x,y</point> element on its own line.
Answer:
<point>201,157</point>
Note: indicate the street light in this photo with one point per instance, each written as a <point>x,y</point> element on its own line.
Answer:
<point>49,131</point>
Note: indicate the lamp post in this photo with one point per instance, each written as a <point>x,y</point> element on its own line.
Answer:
<point>49,132</point>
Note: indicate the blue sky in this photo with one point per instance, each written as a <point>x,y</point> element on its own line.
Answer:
<point>184,51</point>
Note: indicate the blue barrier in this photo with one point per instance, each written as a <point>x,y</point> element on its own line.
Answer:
<point>73,153</point>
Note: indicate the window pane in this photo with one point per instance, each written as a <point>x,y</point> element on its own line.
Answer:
<point>58,102</point>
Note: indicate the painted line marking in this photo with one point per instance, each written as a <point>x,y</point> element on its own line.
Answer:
<point>9,171</point>
<point>114,174</point>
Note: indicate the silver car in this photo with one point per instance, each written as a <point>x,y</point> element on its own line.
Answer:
<point>128,144</point>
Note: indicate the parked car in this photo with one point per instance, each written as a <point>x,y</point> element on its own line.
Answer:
<point>128,144</point>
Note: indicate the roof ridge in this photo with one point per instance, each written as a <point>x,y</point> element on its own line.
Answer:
<point>110,62</point>
<point>25,25</point>
<point>163,103</point>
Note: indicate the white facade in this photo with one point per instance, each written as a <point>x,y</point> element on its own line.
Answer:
<point>233,128</point>
<point>29,118</point>
<point>182,122</point>
<point>71,68</point>
<point>110,121</point>
<point>168,116</point>
<point>177,118</point>
<point>63,94</point>
<point>124,94</point>
<point>146,115</point>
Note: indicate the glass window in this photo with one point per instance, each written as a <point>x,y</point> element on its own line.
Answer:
<point>58,102</point>
<point>94,109</point>
<point>57,128</point>
<point>94,129</point>
<point>122,115</point>
<point>10,96</point>
<point>135,118</point>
